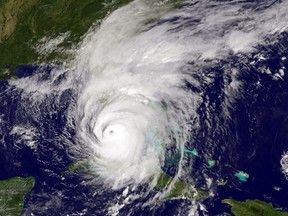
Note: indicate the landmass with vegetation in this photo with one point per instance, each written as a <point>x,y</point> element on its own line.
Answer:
<point>12,195</point>
<point>253,208</point>
<point>45,31</point>
<point>180,189</point>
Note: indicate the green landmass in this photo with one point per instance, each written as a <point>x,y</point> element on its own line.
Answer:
<point>253,208</point>
<point>45,31</point>
<point>26,24</point>
<point>80,168</point>
<point>12,194</point>
<point>180,189</point>
<point>76,166</point>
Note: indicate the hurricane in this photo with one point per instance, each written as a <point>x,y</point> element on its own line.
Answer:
<point>156,105</point>
<point>135,105</point>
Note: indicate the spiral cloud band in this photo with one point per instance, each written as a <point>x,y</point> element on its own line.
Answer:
<point>135,105</point>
